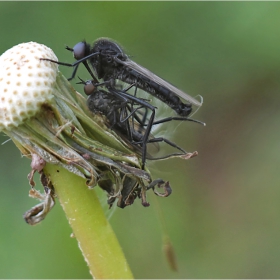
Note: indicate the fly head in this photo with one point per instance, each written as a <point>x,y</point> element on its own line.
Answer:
<point>80,50</point>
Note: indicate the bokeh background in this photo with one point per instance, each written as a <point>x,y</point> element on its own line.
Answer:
<point>223,214</point>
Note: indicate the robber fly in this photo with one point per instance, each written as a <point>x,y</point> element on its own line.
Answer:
<point>110,63</point>
<point>122,111</point>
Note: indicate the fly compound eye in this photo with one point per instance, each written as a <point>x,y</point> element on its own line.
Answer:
<point>89,88</point>
<point>79,50</point>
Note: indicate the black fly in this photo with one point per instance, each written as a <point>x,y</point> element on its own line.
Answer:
<point>122,111</point>
<point>110,63</point>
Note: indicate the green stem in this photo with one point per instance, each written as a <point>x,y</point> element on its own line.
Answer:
<point>94,234</point>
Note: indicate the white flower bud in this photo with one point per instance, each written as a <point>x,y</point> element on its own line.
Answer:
<point>26,82</point>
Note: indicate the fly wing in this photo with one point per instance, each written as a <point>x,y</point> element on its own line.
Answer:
<point>148,74</point>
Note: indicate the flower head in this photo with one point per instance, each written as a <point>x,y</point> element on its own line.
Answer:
<point>25,82</point>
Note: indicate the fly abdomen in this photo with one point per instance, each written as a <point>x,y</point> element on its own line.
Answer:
<point>183,109</point>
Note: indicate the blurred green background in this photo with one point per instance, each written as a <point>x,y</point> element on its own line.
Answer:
<point>223,214</point>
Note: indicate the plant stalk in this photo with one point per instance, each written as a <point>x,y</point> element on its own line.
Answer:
<point>94,234</point>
